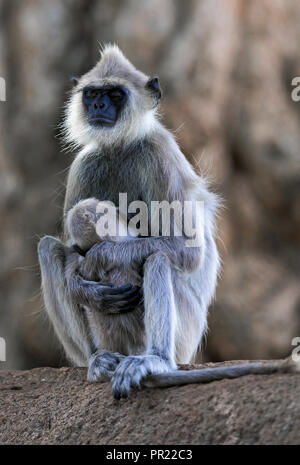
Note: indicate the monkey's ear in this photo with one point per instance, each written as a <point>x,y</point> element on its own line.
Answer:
<point>154,86</point>
<point>75,81</point>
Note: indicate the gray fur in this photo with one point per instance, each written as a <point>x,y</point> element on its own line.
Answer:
<point>138,156</point>
<point>141,158</point>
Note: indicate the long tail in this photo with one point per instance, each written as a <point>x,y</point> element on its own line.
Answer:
<point>207,375</point>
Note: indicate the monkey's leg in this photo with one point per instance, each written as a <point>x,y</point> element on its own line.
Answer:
<point>160,322</point>
<point>66,316</point>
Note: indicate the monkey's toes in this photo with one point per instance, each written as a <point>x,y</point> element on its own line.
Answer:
<point>129,374</point>
<point>133,369</point>
<point>102,366</point>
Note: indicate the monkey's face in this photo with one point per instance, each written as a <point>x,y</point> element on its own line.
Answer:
<point>114,103</point>
<point>104,104</point>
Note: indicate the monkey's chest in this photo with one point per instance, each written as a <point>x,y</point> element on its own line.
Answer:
<point>106,178</point>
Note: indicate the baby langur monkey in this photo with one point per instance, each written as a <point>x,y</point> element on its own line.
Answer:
<point>85,231</point>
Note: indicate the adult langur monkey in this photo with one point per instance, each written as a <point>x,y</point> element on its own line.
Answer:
<point>112,117</point>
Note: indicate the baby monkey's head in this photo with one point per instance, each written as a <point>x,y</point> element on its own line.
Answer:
<point>86,230</point>
<point>81,223</point>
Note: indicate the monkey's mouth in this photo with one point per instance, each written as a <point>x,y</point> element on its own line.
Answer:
<point>101,121</point>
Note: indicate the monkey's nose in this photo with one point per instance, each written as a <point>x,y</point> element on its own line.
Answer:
<point>99,106</point>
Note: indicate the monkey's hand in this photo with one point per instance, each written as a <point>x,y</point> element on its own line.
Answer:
<point>133,369</point>
<point>101,296</point>
<point>104,297</point>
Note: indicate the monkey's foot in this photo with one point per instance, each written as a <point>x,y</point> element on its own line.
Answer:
<point>102,366</point>
<point>133,369</point>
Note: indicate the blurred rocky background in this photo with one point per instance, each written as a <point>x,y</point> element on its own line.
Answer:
<point>226,70</point>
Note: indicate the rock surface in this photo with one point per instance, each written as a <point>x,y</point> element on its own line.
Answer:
<point>58,406</point>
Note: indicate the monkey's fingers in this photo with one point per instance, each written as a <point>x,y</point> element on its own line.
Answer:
<point>121,299</point>
<point>120,290</point>
<point>130,304</point>
<point>122,303</point>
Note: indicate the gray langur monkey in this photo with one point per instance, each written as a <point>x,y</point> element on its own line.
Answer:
<point>111,118</point>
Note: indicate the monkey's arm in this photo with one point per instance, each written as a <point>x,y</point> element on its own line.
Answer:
<point>108,254</point>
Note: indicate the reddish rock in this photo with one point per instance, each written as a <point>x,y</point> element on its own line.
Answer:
<point>58,406</point>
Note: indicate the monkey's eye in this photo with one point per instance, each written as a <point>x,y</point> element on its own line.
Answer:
<point>116,94</point>
<point>90,93</point>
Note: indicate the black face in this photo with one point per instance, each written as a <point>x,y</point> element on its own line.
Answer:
<point>103,104</point>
